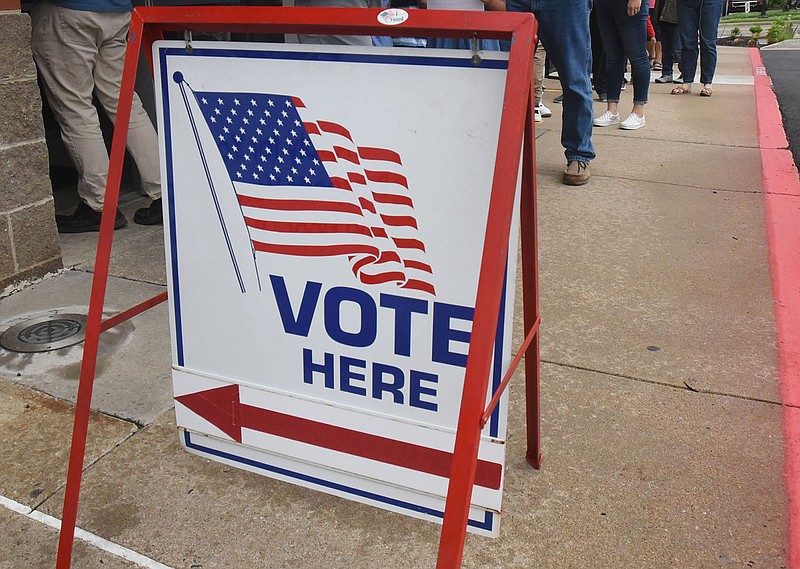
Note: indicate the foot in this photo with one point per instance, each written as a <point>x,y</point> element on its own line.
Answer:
<point>681,90</point>
<point>678,80</point>
<point>544,111</point>
<point>607,119</point>
<point>85,219</point>
<point>706,91</point>
<point>657,66</point>
<point>560,99</point>
<point>602,97</point>
<point>664,79</point>
<point>537,116</point>
<point>576,174</point>
<point>151,215</point>
<point>633,122</point>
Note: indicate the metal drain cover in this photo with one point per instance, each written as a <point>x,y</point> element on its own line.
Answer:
<point>45,333</point>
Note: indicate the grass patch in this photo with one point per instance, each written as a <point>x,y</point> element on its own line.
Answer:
<point>772,16</point>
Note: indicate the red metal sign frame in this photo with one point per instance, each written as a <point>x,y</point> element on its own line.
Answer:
<point>516,142</point>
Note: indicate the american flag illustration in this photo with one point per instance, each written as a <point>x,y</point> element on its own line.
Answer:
<point>305,188</point>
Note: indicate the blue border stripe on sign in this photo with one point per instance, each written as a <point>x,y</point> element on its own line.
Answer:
<point>175,293</point>
<point>486,524</point>
<point>341,57</point>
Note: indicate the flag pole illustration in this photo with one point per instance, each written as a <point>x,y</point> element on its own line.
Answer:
<point>178,77</point>
<point>306,189</point>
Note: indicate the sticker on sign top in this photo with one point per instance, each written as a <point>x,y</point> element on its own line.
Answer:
<point>392,16</point>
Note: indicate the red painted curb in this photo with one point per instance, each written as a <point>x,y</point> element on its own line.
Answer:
<point>781,190</point>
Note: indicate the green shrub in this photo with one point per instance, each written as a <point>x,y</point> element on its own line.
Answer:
<point>736,31</point>
<point>781,30</point>
<point>756,31</point>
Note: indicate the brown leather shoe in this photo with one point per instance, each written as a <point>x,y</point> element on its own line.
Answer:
<point>577,173</point>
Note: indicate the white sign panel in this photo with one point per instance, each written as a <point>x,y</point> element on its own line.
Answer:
<point>326,214</point>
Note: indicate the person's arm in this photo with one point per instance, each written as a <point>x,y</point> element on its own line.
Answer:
<point>495,5</point>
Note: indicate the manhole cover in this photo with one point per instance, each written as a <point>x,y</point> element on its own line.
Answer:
<point>45,333</point>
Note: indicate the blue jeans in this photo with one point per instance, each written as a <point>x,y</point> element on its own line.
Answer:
<point>699,18</point>
<point>564,32</point>
<point>670,45</point>
<point>624,37</point>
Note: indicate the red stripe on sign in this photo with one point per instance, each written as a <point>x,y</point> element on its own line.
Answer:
<point>356,178</point>
<point>419,285</point>
<point>346,154</point>
<point>341,183</point>
<point>382,278</point>
<point>298,103</point>
<point>292,227</point>
<point>368,153</point>
<point>326,156</point>
<point>420,266</point>
<point>315,250</point>
<point>395,199</point>
<point>311,128</point>
<point>334,128</point>
<point>298,205</point>
<point>409,243</point>
<point>367,205</point>
<point>356,443</point>
<point>399,221</point>
<point>386,177</point>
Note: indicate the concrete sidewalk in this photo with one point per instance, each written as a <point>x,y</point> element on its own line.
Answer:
<point>663,435</point>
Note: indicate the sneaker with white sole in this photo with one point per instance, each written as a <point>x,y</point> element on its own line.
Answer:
<point>633,122</point>
<point>537,116</point>
<point>544,111</point>
<point>607,119</point>
<point>576,173</point>
<point>664,79</point>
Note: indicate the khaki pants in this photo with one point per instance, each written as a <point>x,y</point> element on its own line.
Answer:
<point>78,54</point>
<point>539,58</point>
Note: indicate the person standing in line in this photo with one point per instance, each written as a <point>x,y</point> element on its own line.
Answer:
<point>79,49</point>
<point>667,16</point>
<point>564,32</point>
<point>623,26</point>
<point>539,58</point>
<point>598,58</point>
<point>336,39</point>
<point>698,19</point>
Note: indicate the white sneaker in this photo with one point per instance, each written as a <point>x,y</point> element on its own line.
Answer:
<point>544,111</point>
<point>633,122</point>
<point>537,116</point>
<point>606,119</point>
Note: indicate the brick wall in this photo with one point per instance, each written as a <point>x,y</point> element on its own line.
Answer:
<point>28,240</point>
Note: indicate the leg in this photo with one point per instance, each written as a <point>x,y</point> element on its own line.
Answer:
<point>607,20</point>
<point>711,12</point>
<point>538,73</point>
<point>689,16</point>
<point>142,140</point>
<point>598,58</point>
<point>633,33</point>
<point>63,44</point>
<point>564,31</point>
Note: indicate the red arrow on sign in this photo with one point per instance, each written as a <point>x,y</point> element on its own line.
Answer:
<point>222,408</point>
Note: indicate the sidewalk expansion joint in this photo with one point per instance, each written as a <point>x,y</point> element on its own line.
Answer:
<point>120,277</point>
<point>685,387</point>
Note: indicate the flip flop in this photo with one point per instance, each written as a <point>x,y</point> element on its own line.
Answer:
<point>706,91</point>
<point>657,66</point>
<point>681,90</point>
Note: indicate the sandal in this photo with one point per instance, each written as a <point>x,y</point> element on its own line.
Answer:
<point>657,66</point>
<point>706,91</point>
<point>681,90</point>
